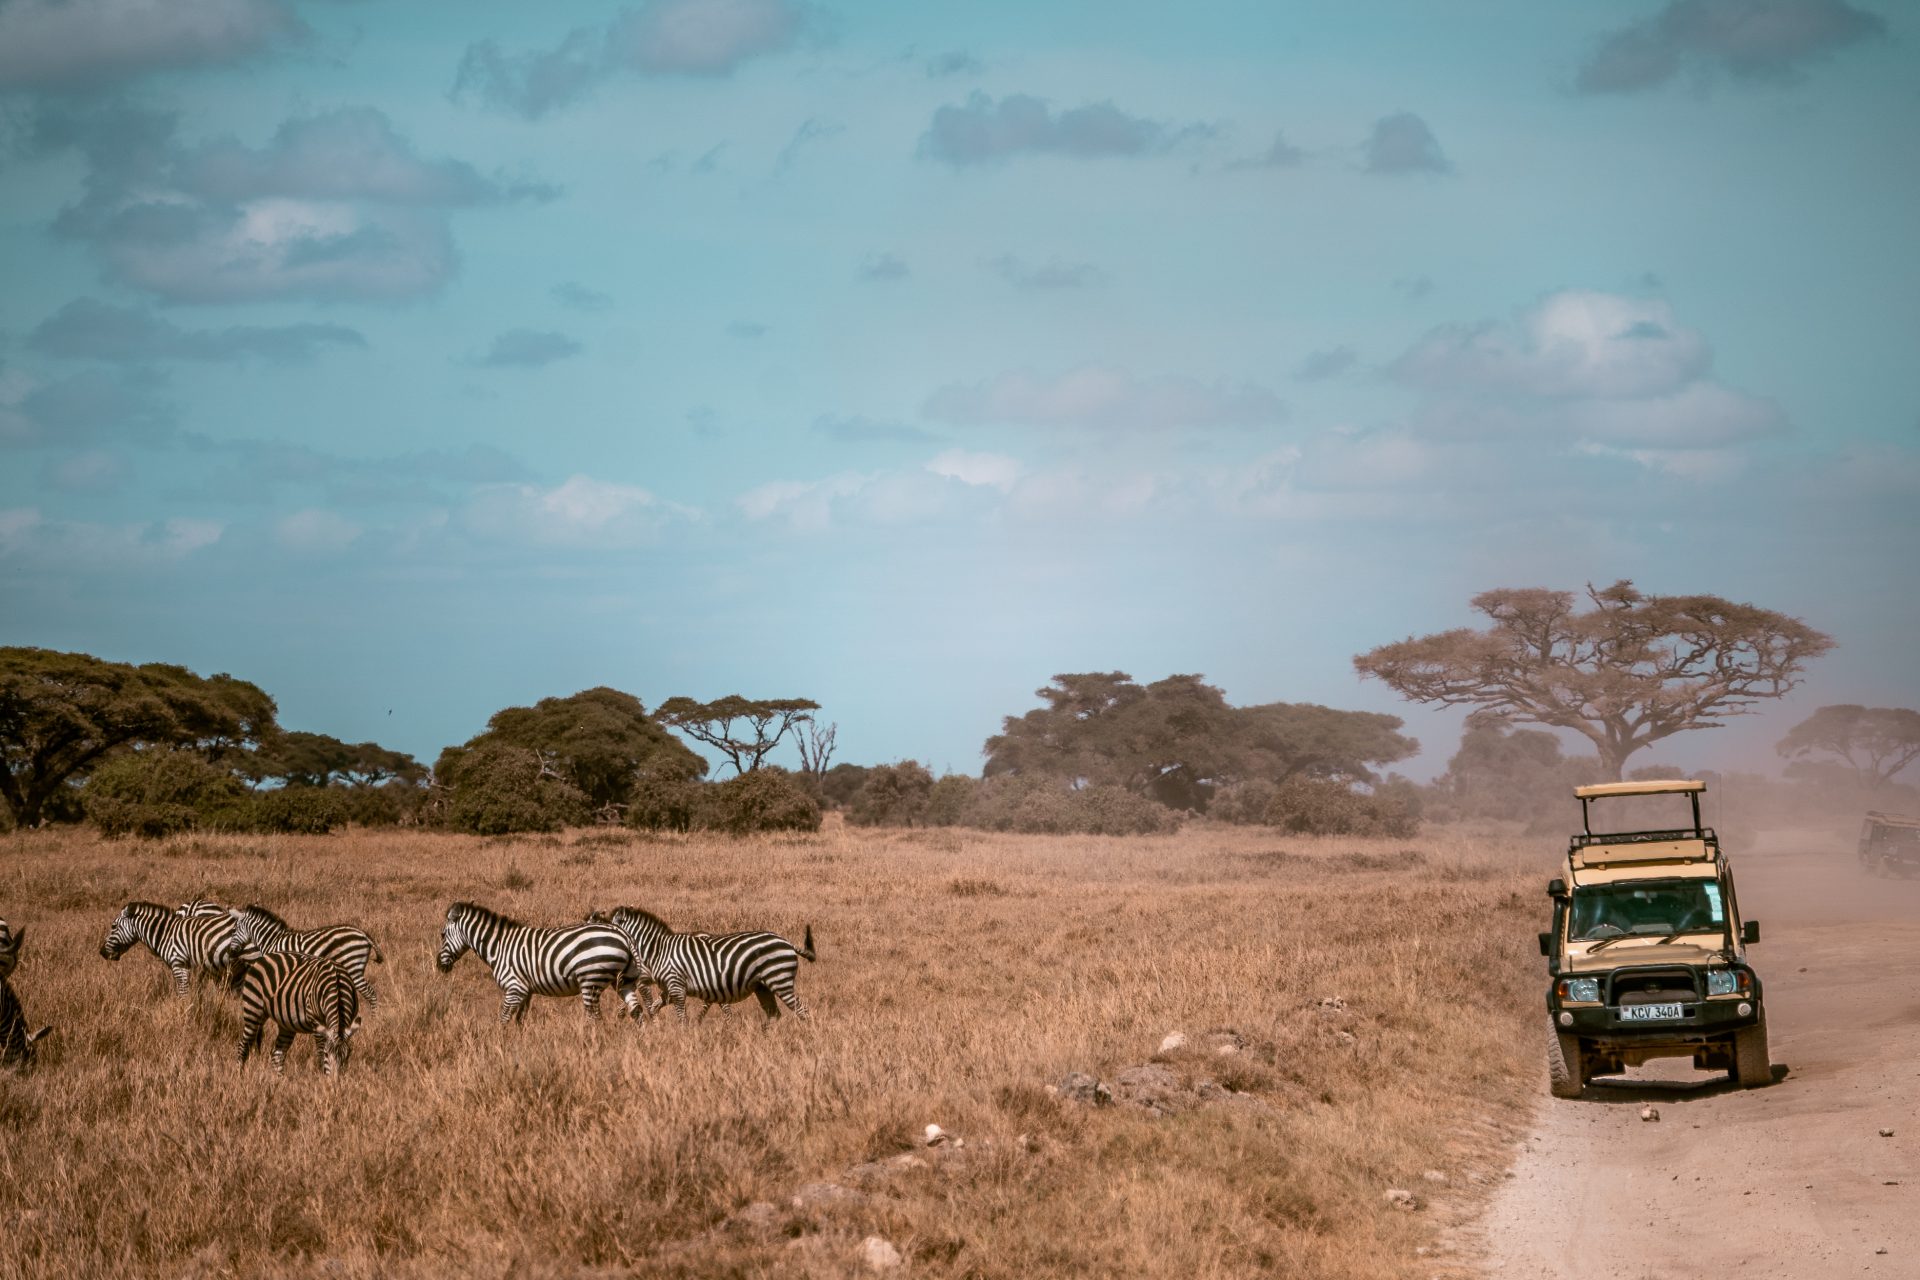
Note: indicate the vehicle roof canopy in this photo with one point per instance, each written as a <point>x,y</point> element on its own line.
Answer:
<point>1891,819</point>
<point>1595,791</point>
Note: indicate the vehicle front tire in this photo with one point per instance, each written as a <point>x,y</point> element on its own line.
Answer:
<point>1752,1068</point>
<point>1566,1064</point>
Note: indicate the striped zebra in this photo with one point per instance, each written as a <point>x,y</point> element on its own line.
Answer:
<point>257,929</point>
<point>530,960</point>
<point>16,1042</point>
<point>719,969</point>
<point>185,943</point>
<point>300,993</point>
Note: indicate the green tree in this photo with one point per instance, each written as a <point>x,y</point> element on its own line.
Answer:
<point>1875,742</point>
<point>317,760</point>
<point>160,791</point>
<point>743,730</point>
<point>62,714</point>
<point>1630,670</point>
<point>598,741</point>
<point>1505,773</point>
<point>494,788</point>
<point>893,795</point>
<point>1178,740</point>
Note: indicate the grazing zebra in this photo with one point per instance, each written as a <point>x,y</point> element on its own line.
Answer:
<point>257,929</point>
<point>184,942</point>
<point>529,960</point>
<point>16,1042</point>
<point>718,969</point>
<point>300,993</point>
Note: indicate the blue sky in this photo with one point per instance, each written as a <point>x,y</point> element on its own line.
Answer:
<point>423,359</point>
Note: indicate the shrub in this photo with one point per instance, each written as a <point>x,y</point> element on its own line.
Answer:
<point>664,802</point>
<point>764,799</point>
<point>951,799</point>
<point>894,795</point>
<point>1316,806</point>
<point>1042,806</point>
<point>299,810</point>
<point>841,783</point>
<point>397,803</point>
<point>495,789</point>
<point>162,791</point>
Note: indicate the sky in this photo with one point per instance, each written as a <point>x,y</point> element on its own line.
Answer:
<point>416,360</point>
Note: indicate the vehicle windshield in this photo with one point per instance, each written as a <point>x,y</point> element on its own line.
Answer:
<point>1659,908</point>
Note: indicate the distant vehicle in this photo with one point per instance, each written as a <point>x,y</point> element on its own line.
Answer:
<point>1890,845</point>
<point>1648,950</point>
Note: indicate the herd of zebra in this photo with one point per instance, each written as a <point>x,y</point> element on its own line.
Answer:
<point>312,981</point>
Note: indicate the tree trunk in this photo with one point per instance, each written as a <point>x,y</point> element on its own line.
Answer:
<point>1613,762</point>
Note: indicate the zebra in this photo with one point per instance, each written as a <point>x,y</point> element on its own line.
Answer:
<point>718,969</point>
<point>184,942</point>
<point>257,929</point>
<point>16,1042</point>
<point>530,960</point>
<point>300,993</point>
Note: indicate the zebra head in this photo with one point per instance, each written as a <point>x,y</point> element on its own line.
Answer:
<point>643,930</point>
<point>124,931</point>
<point>454,941</point>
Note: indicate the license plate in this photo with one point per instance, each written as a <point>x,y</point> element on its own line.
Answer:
<point>1650,1012</point>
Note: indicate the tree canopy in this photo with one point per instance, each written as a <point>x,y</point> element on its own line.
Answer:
<point>316,760</point>
<point>1875,742</point>
<point>598,741</point>
<point>1628,671</point>
<point>744,730</point>
<point>62,714</point>
<point>1178,739</point>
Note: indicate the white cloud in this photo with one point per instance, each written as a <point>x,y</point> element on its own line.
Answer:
<point>26,534</point>
<point>1583,365</point>
<point>1105,398</point>
<point>580,512</point>
<point>994,470</point>
<point>316,531</point>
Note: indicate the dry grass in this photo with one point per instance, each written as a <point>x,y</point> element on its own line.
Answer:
<point>959,975</point>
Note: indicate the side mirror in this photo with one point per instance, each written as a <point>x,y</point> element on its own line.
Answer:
<point>1546,944</point>
<point>1750,932</point>
<point>1556,888</point>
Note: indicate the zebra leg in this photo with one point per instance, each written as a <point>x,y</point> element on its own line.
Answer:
<point>181,977</point>
<point>792,1001</point>
<point>250,1033</point>
<point>629,993</point>
<point>590,999</point>
<point>365,989</point>
<point>281,1043</point>
<point>768,1006</point>
<point>514,1005</point>
<point>677,992</point>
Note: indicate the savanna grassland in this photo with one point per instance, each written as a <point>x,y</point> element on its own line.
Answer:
<point>960,975</point>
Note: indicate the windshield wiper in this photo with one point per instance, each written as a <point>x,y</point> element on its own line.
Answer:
<point>1604,943</point>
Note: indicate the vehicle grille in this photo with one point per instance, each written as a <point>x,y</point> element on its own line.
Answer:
<point>1651,986</point>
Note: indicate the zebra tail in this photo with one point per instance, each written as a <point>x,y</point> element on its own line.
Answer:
<point>377,957</point>
<point>805,949</point>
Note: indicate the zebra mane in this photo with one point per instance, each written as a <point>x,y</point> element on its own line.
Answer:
<point>469,909</point>
<point>255,909</point>
<point>643,914</point>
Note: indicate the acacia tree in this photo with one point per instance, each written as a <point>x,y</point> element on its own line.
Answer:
<point>761,722</point>
<point>61,714</point>
<point>303,759</point>
<point>1875,742</point>
<point>1630,670</point>
<point>599,742</point>
<point>1178,740</point>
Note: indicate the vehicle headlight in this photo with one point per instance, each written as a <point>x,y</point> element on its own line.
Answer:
<point>1726,982</point>
<point>1586,989</point>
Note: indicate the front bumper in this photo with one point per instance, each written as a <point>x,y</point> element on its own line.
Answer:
<point>1701,1020</point>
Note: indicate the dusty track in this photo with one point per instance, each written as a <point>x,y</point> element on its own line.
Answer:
<point>1791,1181</point>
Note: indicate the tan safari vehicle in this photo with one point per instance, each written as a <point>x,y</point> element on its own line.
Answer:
<point>1648,949</point>
<point>1890,845</point>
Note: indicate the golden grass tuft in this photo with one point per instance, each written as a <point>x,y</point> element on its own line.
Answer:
<point>960,975</point>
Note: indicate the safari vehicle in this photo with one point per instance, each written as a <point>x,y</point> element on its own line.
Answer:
<point>1890,845</point>
<point>1648,949</point>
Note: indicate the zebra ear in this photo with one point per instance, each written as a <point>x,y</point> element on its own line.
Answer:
<point>13,943</point>
<point>41,1034</point>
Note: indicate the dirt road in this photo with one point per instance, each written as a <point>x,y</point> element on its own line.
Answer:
<point>1792,1181</point>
